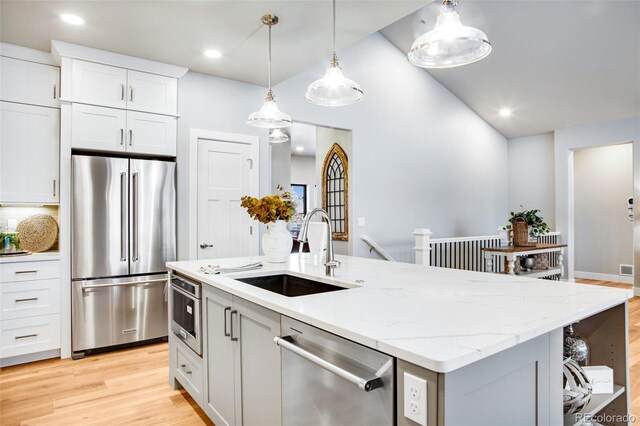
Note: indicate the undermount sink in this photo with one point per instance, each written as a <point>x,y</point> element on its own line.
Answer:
<point>290,286</point>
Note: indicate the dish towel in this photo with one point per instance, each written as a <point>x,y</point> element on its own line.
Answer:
<point>217,269</point>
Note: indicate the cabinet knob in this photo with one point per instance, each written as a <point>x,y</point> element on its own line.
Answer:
<point>205,245</point>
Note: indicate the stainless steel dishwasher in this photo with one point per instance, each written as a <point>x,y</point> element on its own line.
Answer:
<point>328,380</point>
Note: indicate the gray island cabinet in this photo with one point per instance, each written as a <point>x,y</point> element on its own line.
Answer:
<point>478,374</point>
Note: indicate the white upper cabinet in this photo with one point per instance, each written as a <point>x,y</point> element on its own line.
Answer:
<point>29,154</point>
<point>29,82</point>
<point>115,87</point>
<point>99,84</point>
<point>97,128</point>
<point>152,93</point>
<point>151,133</point>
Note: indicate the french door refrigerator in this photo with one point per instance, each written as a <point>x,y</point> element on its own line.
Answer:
<point>123,233</point>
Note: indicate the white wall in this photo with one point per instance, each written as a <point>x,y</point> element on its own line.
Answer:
<point>303,172</point>
<point>280,166</point>
<point>212,103</point>
<point>603,180</point>
<point>531,175</point>
<point>421,157</point>
<point>591,135</point>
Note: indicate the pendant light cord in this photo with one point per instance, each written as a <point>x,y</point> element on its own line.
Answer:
<point>334,27</point>
<point>269,62</point>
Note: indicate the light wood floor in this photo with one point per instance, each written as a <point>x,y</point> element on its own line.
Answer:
<point>125,387</point>
<point>131,387</point>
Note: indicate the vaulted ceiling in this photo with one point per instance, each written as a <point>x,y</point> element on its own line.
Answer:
<point>554,63</point>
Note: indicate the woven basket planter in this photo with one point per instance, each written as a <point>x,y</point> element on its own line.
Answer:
<point>521,233</point>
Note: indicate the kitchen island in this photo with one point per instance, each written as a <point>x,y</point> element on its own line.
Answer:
<point>488,346</point>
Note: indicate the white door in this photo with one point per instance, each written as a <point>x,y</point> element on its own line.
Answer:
<point>152,93</point>
<point>99,84</point>
<point>151,133</point>
<point>29,83</point>
<point>225,174</point>
<point>29,153</point>
<point>97,128</point>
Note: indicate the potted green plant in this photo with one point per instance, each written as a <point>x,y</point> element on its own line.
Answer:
<point>526,225</point>
<point>9,241</point>
<point>275,211</point>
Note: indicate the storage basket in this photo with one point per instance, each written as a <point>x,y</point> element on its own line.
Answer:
<point>521,233</point>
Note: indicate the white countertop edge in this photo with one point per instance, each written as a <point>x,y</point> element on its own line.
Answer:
<point>33,257</point>
<point>228,284</point>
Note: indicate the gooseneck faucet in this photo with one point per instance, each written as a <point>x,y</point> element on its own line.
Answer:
<point>330,263</point>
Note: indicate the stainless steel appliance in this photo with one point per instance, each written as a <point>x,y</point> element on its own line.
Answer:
<point>186,309</point>
<point>328,380</point>
<point>123,233</point>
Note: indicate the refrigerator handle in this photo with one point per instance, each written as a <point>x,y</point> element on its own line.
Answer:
<point>134,223</point>
<point>123,217</point>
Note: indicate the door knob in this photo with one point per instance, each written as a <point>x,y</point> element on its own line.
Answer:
<point>205,245</point>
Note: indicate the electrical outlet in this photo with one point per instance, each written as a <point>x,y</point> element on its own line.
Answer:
<point>361,222</point>
<point>415,399</point>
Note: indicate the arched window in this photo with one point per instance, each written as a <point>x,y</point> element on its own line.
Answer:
<point>335,191</point>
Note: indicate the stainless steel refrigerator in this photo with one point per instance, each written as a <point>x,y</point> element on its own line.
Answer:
<point>123,233</point>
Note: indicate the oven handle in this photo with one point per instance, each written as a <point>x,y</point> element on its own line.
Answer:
<point>366,384</point>
<point>157,280</point>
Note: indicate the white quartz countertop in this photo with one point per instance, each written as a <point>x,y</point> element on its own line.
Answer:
<point>33,257</point>
<point>440,319</point>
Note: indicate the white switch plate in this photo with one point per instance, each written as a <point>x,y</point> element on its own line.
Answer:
<point>361,221</point>
<point>415,399</point>
<point>12,224</point>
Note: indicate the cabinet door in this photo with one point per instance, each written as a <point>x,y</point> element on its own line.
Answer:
<point>29,82</point>
<point>98,84</point>
<point>219,355</point>
<point>98,128</point>
<point>29,153</point>
<point>152,93</point>
<point>258,357</point>
<point>151,133</point>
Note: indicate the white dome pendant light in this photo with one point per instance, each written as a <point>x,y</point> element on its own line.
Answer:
<point>269,116</point>
<point>278,136</point>
<point>449,44</point>
<point>334,89</point>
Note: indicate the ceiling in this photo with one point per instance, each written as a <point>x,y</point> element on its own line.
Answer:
<point>303,135</point>
<point>555,64</point>
<point>177,32</point>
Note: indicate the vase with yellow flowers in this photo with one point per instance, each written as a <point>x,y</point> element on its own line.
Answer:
<point>275,211</point>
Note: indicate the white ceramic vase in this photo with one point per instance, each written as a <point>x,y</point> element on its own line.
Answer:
<point>277,242</point>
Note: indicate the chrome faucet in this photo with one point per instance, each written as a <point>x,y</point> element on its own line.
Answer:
<point>330,263</point>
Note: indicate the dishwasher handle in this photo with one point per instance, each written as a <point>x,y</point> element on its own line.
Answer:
<point>366,384</point>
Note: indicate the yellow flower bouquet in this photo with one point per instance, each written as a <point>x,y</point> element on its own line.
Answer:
<point>270,208</point>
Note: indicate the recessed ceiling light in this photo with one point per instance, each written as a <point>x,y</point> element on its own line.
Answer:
<point>505,112</point>
<point>212,53</point>
<point>299,148</point>
<point>72,19</point>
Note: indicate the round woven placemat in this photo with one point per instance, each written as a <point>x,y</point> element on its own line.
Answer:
<point>37,233</point>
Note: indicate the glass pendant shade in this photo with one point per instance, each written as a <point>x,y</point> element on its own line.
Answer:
<point>278,136</point>
<point>269,116</point>
<point>449,44</point>
<point>334,89</point>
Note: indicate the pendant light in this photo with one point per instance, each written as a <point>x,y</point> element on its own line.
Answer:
<point>278,136</point>
<point>449,44</point>
<point>334,89</point>
<point>269,116</point>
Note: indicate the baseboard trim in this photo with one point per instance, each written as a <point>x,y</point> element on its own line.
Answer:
<point>603,277</point>
<point>636,291</point>
<point>23,359</point>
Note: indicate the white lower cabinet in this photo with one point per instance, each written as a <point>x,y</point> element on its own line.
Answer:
<point>29,310</point>
<point>242,363</point>
<point>187,368</point>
